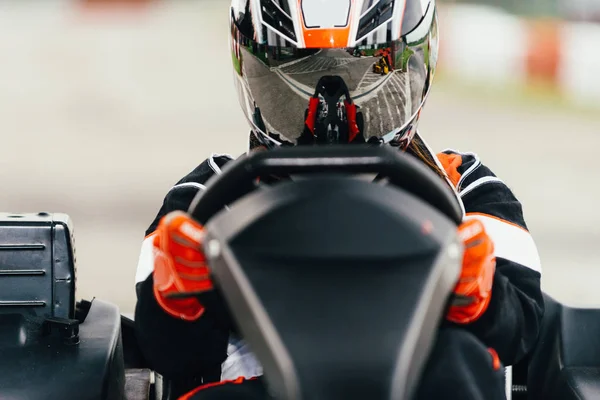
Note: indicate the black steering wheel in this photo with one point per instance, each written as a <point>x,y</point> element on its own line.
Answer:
<point>402,170</point>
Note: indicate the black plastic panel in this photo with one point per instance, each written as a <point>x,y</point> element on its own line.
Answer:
<point>46,368</point>
<point>37,265</point>
<point>566,361</point>
<point>337,284</point>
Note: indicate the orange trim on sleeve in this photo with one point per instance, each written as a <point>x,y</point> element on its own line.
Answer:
<point>237,381</point>
<point>476,214</point>
<point>451,163</point>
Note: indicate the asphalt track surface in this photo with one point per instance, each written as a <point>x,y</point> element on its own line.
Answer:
<point>330,62</point>
<point>100,116</point>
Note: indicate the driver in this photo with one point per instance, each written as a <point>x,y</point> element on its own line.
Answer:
<point>298,85</point>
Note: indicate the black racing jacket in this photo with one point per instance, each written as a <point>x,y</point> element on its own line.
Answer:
<point>187,350</point>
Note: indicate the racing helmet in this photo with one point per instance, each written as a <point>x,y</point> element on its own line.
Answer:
<point>333,71</point>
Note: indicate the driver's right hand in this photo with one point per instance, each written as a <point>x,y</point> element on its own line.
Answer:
<point>180,270</point>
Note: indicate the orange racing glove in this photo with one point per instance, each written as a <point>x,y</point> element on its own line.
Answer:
<point>473,291</point>
<point>180,270</point>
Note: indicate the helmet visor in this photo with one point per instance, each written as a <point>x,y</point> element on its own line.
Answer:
<point>374,89</point>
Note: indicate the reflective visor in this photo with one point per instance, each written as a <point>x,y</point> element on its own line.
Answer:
<point>374,89</point>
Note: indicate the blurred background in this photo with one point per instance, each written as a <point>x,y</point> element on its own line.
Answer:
<point>104,105</point>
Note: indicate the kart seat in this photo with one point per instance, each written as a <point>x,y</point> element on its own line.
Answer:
<point>566,362</point>
<point>580,383</point>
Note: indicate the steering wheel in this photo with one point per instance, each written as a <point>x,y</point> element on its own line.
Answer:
<point>402,170</point>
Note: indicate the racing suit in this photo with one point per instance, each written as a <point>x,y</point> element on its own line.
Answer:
<point>208,350</point>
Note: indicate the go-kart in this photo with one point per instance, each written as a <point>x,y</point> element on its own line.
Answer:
<point>332,116</point>
<point>382,66</point>
<point>289,259</point>
<point>356,52</point>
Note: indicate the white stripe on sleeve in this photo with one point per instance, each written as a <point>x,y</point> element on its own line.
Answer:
<point>477,183</point>
<point>146,261</point>
<point>197,185</point>
<point>511,242</point>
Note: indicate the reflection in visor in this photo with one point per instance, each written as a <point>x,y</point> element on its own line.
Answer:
<point>332,95</point>
<point>331,116</point>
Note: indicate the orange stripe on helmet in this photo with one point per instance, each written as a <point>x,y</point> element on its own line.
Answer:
<point>326,37</point>
<point>330,37</point>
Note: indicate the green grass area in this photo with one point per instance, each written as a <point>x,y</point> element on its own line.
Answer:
<point>236,63</point>
<point>538,96</point>
<point>404,56</point>
<point>369,52</point>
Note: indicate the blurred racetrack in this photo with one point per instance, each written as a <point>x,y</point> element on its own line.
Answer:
<point>101,113</point>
